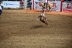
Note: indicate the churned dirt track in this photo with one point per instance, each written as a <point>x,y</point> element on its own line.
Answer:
<point>22,29</point>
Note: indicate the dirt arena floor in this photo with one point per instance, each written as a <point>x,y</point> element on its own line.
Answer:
<point>22,29</point>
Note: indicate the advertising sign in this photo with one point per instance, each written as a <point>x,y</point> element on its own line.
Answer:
<point>11,4</point>
<point>67,6</point>
<point>55,5</point>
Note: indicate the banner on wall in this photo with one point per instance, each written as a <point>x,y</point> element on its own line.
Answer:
<point>55,5</point>
<point>67,6</point>
<point>11,4</point>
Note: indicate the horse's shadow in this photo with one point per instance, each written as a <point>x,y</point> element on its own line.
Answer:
<point>36,26</point>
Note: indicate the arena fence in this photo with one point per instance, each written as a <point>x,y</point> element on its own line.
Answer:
<point>56,5</point>
<point>34,4</point>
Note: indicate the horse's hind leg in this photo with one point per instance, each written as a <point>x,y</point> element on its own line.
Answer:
<point>46,22</point>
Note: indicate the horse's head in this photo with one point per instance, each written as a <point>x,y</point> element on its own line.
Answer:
<point>40,3</point>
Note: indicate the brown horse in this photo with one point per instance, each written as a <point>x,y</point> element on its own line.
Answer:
<point>42,16</point>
